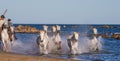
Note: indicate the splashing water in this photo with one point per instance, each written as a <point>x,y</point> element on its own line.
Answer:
<point>27,45</point>
<point>109,48</point>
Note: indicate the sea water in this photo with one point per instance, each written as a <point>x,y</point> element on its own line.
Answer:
<point>109,47</point>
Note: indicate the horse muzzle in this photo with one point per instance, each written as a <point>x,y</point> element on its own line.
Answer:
<point>41,41</point>
<point>59,48</point>
<point>42,45</point>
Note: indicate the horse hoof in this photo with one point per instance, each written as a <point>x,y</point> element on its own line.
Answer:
<point>45,52</point>
<point>97,50</point>
<point>59,48</point>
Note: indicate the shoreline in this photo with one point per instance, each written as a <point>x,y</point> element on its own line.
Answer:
<point>19,57</point>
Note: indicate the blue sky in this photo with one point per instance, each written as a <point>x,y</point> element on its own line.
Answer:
<point>62,11</point>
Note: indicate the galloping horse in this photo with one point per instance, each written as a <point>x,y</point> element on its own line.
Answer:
<point>56,37</point>
<point>11,33</point>
<point>73,43</point>
<point>53,30</point>
<point>5,37</point>
<point>95,40</point>
<point>45,29</point>
<point>42,42</point>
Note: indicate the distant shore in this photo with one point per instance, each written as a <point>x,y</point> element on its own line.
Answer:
<point>18,57</point>
<point>29,29</point>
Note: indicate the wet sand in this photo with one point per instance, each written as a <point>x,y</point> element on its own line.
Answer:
<point>19,57</point>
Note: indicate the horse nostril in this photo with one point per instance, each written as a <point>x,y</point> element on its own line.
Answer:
<point>42,45</point>
<point>59,48</point>
<point>41,41</point>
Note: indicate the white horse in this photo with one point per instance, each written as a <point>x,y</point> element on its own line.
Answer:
<point>53,30</point>
<point>5,38</point>
<point>56,37</point>
<point>42,42</point>
<point>73,43</point>
<point>12,34</point>
<point>45,29</point>
<point>95,41</point>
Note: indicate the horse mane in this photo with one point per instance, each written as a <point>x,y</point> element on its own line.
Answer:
<point>3,26</point>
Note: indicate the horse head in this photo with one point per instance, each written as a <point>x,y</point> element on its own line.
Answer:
<point>76,35</point>
<point>45,28</point>
<point>53,29</point>
<point>57,37</point>
<point>4,26</point>
<point>58,28</point>
<point>42,35</point>
<point>95,31</point>
<point>12,29</point>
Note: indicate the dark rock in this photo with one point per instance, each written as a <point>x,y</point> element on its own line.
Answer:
<point>107,26</point>
<point>116,36</point>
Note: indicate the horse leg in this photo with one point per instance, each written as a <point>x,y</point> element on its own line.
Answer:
<point>10,36</point>
<point>7,48</point>
<point>76,50</point>
<point>45,49</point>
<point>4,45</point>
<point>73,50</point>
<point>41,50</point>
<point>69,45</point>
<point>97,47</point>
<point>76,47</point>
<point>70,49</point>
<point>58,44</point>
<point>15,36</point>
<point>48,45</point>
<point>12,43</point>
<point>12,40</point>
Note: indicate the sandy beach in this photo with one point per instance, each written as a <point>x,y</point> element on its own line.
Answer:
<point>18,57</point>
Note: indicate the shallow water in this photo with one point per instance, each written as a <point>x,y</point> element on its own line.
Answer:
<point>110,48</point>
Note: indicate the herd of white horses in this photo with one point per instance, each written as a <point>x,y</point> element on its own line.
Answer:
<point>43,40</point>
<point>72,40</point>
